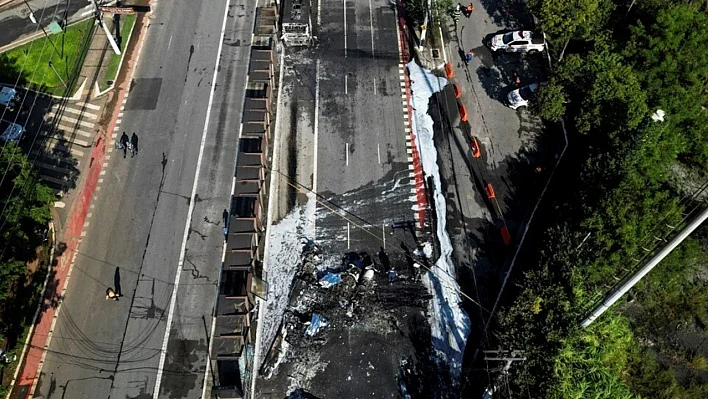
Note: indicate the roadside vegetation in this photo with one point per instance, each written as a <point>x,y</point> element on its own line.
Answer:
<point>25,211</point>
<point>126,27</point>
<point>624,182</point>
<point>32,60</point>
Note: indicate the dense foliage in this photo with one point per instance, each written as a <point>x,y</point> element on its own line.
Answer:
<point>616,193</point>
<point>24,212</point>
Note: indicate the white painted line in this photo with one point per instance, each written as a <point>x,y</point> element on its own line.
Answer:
<point>88,215</point>
<point>348,243</point>
<point>169,44</point>
<point>319,12</point>
<point>383,233</point>
<point>346,152</point>
<point>118,121</point>
<point>105,165</point>
<point>86,13</point>
<point>344,3</point>
<point>317,123</point>
<point>120,114</point>
<point>190,211</point>
<point>371,26</point>
<point>73,111</point>
<point>410,159</point>
<point>374,86</point>
<point>378,150</point>
<point>346,86</point>
<point>89,106</point>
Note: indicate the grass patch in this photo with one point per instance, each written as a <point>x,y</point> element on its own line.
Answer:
<point>112,68</point>
<point>31,60</point>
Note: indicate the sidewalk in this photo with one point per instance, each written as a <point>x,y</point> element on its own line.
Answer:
<point>70,217</point>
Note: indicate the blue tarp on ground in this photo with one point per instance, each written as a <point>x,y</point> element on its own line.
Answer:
<point>316,324</point>
<point>330,279</point>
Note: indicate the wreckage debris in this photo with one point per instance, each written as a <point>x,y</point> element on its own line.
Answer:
<point>318,322</point>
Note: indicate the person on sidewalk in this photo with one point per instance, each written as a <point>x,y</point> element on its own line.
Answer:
<point>468,10</point>
<point>469,57</point>
<point>124,144</point>
<point>134,142</point>
<point>111,294</point>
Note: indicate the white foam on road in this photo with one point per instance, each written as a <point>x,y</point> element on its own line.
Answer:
<point>286,241</point>
<point>449,323</point>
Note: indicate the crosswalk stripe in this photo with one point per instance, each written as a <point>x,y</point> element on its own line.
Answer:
<point>74,111</point>
<point>54,168</point>
<point>72,129</point>
<point>64,119</point>
<point>47,153</point>
<point>88,105</point>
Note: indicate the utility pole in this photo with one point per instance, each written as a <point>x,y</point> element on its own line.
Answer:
<point>500,355</point>
<point>99,19</point>
<point>616,294</point>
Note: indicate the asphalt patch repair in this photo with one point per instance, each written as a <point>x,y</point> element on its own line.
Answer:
<point>373,338</point>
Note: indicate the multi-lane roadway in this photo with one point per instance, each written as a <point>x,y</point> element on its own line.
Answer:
<point>156,225</point>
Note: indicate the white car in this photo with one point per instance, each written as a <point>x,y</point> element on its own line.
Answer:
<point>520,97</point>
<point>520,41</point>
<point>10,131</point>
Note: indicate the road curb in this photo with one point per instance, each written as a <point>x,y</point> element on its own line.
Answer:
<point>415,165</point>
<point>97,91</point>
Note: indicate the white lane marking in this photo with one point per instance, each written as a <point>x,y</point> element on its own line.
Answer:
<point>190,211</point>
<point>378,150</point>
<point>348,246</point>
<point>374,86</point>
<point>344,2</point>
<point>371,26</point>
<point>317,123</point>
<point>319,12</point>
<point>383,233</point>
<point>169,44</point>
<point>346,152</point>
<point>346,85</point>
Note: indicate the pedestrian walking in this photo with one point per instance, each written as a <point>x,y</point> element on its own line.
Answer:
<point>515,79</point>
<point>134,142</point>
<point>391,275</point>
<point>468,10</point>
<point>469,57</point>
<point>111,294</point>
<point>124,140</point>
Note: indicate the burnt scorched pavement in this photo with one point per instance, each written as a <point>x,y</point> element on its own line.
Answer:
<point>349,331</point>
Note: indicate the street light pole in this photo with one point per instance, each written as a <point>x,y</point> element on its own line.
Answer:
<point>99,18</point>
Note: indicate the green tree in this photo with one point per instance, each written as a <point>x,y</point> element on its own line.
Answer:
<point>26,205</point>
<point>550,101</point>
<point>672,62</point>
<point>579,19</point>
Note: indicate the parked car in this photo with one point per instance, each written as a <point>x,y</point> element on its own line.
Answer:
<point>10,131</point>
<point>520,97</point>
<point>519,41</point>
<point>9,97</point>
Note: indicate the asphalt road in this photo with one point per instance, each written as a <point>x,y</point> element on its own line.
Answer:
<point>16,23</point>
<point>107,349</point>
<point>347,91</point>
<point>362,164</point>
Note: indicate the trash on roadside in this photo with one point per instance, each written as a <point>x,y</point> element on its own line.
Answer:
<point>330,280</point>
<point>318,322</point>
